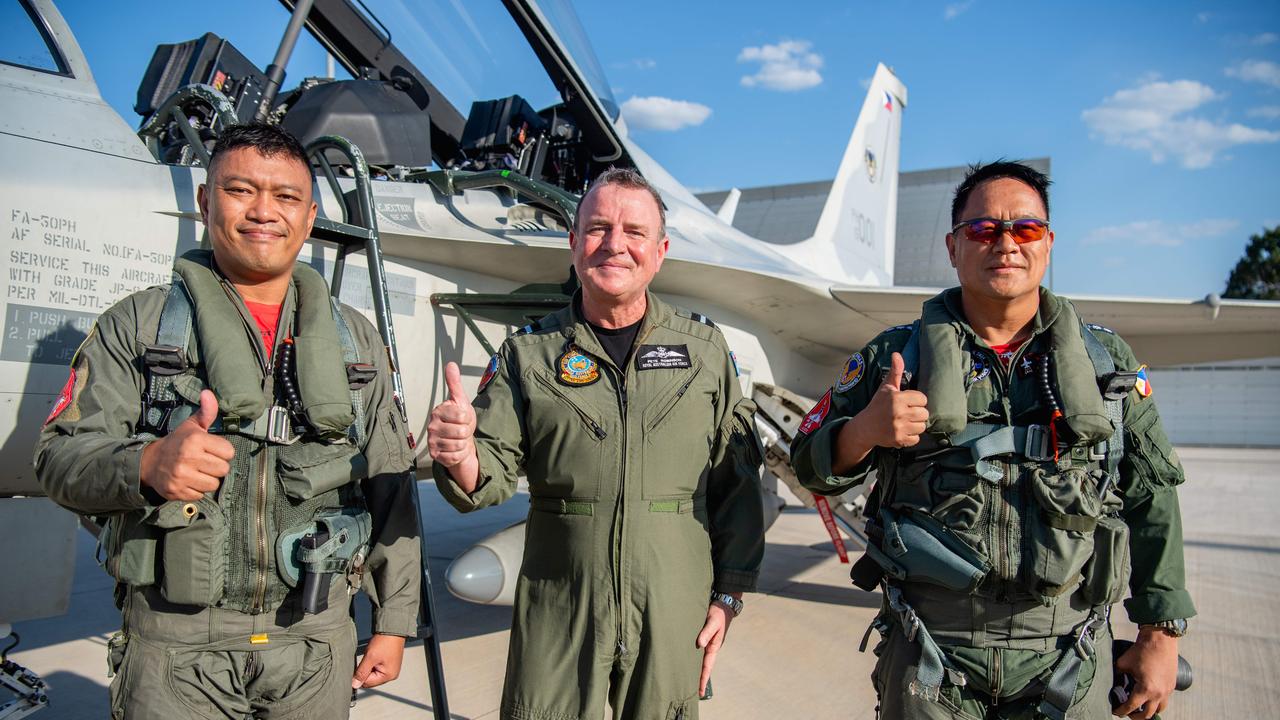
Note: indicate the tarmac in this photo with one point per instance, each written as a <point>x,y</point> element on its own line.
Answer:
<point>794,652</point>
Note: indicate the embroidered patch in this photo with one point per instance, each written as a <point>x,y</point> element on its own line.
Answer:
<point>1142,385</point>
<point>1029,364</point>
<point>853,371</point>
<point>64,398</point>
<point>813,419</point>
<point>978,372</point>
<point>658,357</point>
<point>734,359</point>
<point>1100,328</point>
<point>577,368</point>
<point>490,371</point>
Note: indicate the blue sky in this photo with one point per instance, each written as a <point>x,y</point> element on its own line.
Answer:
<point>1162,119</point>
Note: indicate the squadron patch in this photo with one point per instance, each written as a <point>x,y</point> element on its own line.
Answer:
<point>1142,385</point>
<point>659,357</point>
<point>853,371</point>
<point>813,419</point>
<point>577,369</point>
<point>490,371</point>
<point>64,398</point>
<point>1028,364</point>
<point>978,372</point>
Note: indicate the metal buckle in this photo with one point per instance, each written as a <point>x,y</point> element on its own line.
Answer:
<point>1099,451</point>
<point>1038,445</point>
<point>279,426</point>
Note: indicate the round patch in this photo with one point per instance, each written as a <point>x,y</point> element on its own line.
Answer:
<point>979,371</point>
<point>577,368</point>
<point>490,371</point>
<point>852,373</point>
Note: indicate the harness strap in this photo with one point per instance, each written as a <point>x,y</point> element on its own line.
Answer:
<point>1060,689</point>
<point>933,664</point>
<point>351,356</point>
<point>1103,366</point>
<point>911,356</point>
<point>174,332</point>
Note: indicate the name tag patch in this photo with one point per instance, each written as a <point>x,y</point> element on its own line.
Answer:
<point>661,357</point>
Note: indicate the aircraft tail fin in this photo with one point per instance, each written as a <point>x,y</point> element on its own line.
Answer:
<point>855,236</point>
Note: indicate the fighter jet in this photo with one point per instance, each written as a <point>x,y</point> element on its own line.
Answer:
<point>472,189</point>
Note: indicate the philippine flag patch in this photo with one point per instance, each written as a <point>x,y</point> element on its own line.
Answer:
<point>1142,385</point>
<point>490,371</point>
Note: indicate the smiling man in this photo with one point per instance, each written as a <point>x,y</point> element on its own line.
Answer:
<point>247,490</point>
<point>1021,472</point>
<point>645,523</point>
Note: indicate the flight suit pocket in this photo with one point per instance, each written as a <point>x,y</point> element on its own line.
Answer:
<point>195,552</point>
<point>1062,530</point>
<point>679,431</point>
<point>307,470</point>
<point>1106,579</point>
<point>566,441</point>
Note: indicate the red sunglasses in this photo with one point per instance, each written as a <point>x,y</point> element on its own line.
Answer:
<point>989,230</point>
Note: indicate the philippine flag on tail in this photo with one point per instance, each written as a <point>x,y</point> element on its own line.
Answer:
<point>888,101</point>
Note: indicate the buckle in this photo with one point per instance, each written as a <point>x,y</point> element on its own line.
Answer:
<point>1038,445</point>
<point>164,360</point>
<point>360,374</point>
<point>1099,451</point>
<point>280,426</point>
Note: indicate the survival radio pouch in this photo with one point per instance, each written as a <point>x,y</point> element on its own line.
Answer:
<point>918,548</point>
<point>313,553</point>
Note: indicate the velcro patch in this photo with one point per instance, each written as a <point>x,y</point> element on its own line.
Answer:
<point>658,357</point>
<point>490,371</point>
<point>853,371</point>
<point>1143,384</point>
<point>813,419</point>
<point>64,398</point>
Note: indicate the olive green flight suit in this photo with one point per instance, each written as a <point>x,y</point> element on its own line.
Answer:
<point>645,495</point>
<point>1007,636</point>
<point>212,625</point>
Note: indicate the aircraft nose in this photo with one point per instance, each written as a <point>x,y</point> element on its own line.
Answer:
<point>476,575</point>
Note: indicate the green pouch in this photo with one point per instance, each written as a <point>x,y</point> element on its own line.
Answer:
<point>130,544</point>
<point>921,549</point>
<point>1062,532</point>
<point>308,469</point>
<point>195,552</point>
<point>1106,577</point>
<point>349,535</point>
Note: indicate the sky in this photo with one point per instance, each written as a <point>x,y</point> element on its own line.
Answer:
<point>1162,120</point>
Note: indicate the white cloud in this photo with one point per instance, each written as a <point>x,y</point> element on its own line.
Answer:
<point>663,114</point>
<point>1153,118</point>
<point>955,9</point>
<point>787,66</point>
<point>1266,38</point>
<point>1269,112</point>
<point>1203,17</point>
<point>636,64</point>
<point>1259,71</point>
<point>1158,233</point>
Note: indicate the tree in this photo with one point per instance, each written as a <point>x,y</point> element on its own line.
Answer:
<point>1257,275</point>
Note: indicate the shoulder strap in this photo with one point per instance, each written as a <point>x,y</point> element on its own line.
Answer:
<point>351,356</point>
<point>1103,367</point>
<point>911,355</point>
<point>167,357</point>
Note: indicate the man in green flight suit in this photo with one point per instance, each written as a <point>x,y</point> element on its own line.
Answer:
<point>1021,471</point>
<point>645,523</point>
<point>240,438</point>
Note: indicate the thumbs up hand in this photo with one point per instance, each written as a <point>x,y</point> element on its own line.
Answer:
<point>451,432</point>
<point>188,462</point>
<point>896,417</point>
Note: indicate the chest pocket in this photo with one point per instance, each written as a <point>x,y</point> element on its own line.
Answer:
<point>678,432</point>
<point>567,439</point>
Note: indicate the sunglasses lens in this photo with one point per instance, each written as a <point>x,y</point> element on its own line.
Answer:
<point>983,231</point>
<point>1028,230</point>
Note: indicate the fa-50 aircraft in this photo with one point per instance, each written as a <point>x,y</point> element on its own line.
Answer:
<point>471,211</point>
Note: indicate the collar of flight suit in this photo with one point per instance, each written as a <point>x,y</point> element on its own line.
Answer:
<point>578,331</point>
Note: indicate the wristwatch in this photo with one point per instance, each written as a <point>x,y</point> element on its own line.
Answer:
<point>728,601</point>
<point>1176,628</point>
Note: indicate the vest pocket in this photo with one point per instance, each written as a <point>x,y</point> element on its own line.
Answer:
<point>1062,531</point>
<point>308,469</point>
<point>195,552</point>
<point>1106,579</point>
<point>130,543</point>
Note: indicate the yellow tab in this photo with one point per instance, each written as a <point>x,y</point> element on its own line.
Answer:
<point>259,639</point>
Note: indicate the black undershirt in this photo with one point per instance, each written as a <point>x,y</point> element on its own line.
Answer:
<point>617,342</point>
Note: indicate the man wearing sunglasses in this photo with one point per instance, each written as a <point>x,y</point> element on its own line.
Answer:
<point>1024,485</point>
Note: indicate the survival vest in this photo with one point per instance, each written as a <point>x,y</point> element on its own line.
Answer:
<point>297,439</point>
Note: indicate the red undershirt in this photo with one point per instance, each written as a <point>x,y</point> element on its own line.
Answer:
<point>267,317</point>
<point>1006,352</point>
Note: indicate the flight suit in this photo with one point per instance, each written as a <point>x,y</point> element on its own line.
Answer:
<point>213,624</point>
<point>1055,535</point>
<point>645,495</point>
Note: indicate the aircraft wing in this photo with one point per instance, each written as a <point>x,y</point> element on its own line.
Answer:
<point>1160,331</point>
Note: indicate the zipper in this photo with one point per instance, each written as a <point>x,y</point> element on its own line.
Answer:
<point>675,400</point>
<point>619,515</point>
<point>587,418</point>
<point>996,680</point>
<point>260,593</point>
